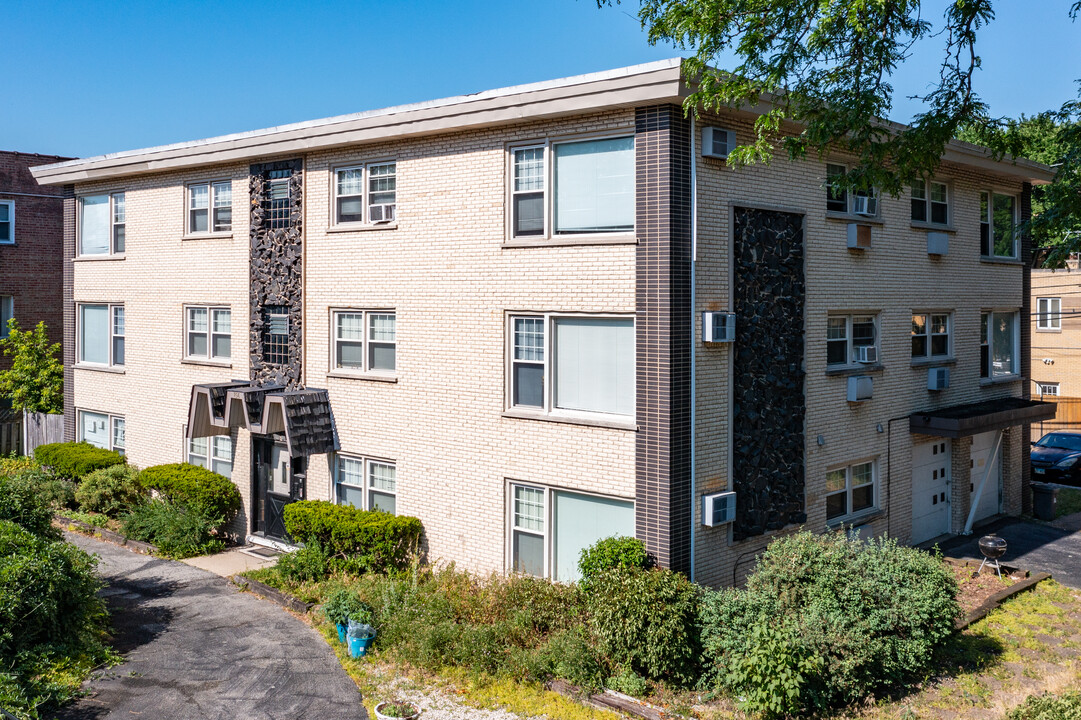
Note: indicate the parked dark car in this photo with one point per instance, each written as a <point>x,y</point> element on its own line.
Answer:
<point>1056,457</point>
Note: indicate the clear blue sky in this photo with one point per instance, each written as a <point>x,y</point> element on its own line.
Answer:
<point>89,78</point>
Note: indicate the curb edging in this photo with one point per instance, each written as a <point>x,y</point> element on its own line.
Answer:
<point>995,601</point>
<point>108,535</point>
<point>272,594</point>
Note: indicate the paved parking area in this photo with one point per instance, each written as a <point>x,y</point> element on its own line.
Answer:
<point>195,647</point>
<point>1029,545</point>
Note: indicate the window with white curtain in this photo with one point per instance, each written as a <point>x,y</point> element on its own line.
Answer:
<point>549,528</point>
<point>999,344</point>
<point>101,334</point>
<point>366,483</point>
<point>364,341</point>
<point>572,364</point>
<point>573,188</point>
<point>102,430</point>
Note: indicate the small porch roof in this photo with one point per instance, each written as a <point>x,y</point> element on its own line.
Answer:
<point>974,418</point>
<point>304,417</point>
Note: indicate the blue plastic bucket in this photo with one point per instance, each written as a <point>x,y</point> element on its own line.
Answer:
<point>341,633</point>
<point>358,646</point>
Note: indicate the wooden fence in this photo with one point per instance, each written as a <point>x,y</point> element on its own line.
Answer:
<point>41,429</point>
<point>1067,416</point>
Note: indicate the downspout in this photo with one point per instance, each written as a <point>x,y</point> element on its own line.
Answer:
<point>694,332</point>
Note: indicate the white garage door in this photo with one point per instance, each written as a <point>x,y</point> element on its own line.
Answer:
<point>991,498</point>
<point>930,490</point>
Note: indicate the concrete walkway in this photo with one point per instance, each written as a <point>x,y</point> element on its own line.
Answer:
<point>196,648</point>
<point>230,562</point>
<point>1029,545</point>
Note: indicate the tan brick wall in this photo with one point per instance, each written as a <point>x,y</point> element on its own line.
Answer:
<point>1056,354</point>
<point>892,279</point>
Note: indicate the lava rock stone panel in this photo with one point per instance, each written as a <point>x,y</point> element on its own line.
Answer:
<point>276,269</point>
<point>768,402</point>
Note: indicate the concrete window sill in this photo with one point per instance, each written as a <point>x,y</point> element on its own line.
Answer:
<point>362,376</point>
<point>614,424</point>
<point>362,227</point>
<point>849,370</point>
<point>570,240</point>
<point>98,258</point>
<point>990,260</point>
<point>934,361</point>
<point>859,519</point>
<point>206,363</point>
<point>851,218</point>
<point>917,225</point>
<point>208,236</point>
<point>101,368</point>
<point>987,382</point>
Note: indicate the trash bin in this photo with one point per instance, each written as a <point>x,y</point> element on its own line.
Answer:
<point>1043,501</point>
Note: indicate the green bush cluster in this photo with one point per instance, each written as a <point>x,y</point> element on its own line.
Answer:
<point>345,604</point>
<point>1049,707</point>
<point>611,553</point>
<point>74,460</point>
<point>359,540</point>
<point>308,564</point>
<point>863,618</point>
<point>111,491</point>
<point>22,504</point>
<point>183,483</point>
<point>179,530</point>
<point>57,492</point>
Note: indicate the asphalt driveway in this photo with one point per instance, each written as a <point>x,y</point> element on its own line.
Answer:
<point>195,647</point>
<point>1029,545</point>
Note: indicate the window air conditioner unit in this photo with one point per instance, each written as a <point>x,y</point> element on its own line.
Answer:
<point>380,213</point>
<point>866,354</point>
<point>718,508</point>
<point>863,205</point>
<point>860,388</point>
<point>938,243</point>
<point>938,378</point>
<point>717,142</point>
<point>718,327</point>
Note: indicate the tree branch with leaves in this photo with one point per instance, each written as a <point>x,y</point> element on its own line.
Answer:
<point>35,382</point>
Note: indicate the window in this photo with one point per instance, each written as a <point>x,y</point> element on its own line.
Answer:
<point>839,199</point>
<point>1047,389</point>
<point>374,202</point>
<point>549,528</point>
<point>209,333</point>
<point>102,430</point>
<point>7,222</point>
<point>101,224</point>
<point>214,453</point>
<point>997,221</point>
<point>930,202</point>
<point>998,344</point>
<point>366,483</point>
<point>930,335</point>
<point>7,312</point>
<point>1048,313</point>
<point>850,490</point>
<point>365,340</point>
<point>210,207</point>
<point>587,368</point>
<point>101,334</point>
<point>845,333</point>
<point>592,188</point>
<point>276,335</point>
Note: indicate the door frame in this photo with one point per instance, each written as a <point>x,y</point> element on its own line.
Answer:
<point>261,447</point>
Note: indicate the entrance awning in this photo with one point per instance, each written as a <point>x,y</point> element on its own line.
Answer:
<point>975,418</point>
<point>303,416</point>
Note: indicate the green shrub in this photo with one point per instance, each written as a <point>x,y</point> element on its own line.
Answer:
<point>628,683</point>
<point>12,465</point>
<point>194,485</point>
<point>111,491</point>
<point>345,604</point>
<point>74,460</point>
<point>48,591</point>
<point>871,613</point>
<point>308,564</point>
<point>572,657</point>
<point>1049,707</point>
<point>22,504</point>
<point>611,553</point>
<point>179,530</point>
<point>647,621</point>
<point>363,540</point>
<point>57,492</point>
<point>773,676</point>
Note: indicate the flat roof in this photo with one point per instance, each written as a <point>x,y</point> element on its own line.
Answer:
<point>655,82</point>
<point>979,417</point>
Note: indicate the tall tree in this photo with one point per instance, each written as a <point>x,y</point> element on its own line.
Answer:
<point>35,382</point>
<point>827,65</point>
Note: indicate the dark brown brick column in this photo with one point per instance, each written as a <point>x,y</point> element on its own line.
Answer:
<point>70,209</point>
<point>1026,342</point>
<point>664,333</point>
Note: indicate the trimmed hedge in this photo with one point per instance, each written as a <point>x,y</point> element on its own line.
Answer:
<point>191,484</point>
<point>364,540</point>
<point>74,460</point>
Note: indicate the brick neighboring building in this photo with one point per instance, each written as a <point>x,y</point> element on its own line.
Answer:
<point>489,312</point>
<point>31,246</point>
<point>1056,342</point>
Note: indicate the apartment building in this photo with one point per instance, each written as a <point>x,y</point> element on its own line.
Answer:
<point>538,316</point>
<point>31,247</point>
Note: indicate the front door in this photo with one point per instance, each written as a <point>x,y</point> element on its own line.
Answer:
<point>277,480</point>
<point>930,490</point>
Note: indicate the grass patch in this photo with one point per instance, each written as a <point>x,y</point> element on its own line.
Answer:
<point>1067,502</point>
